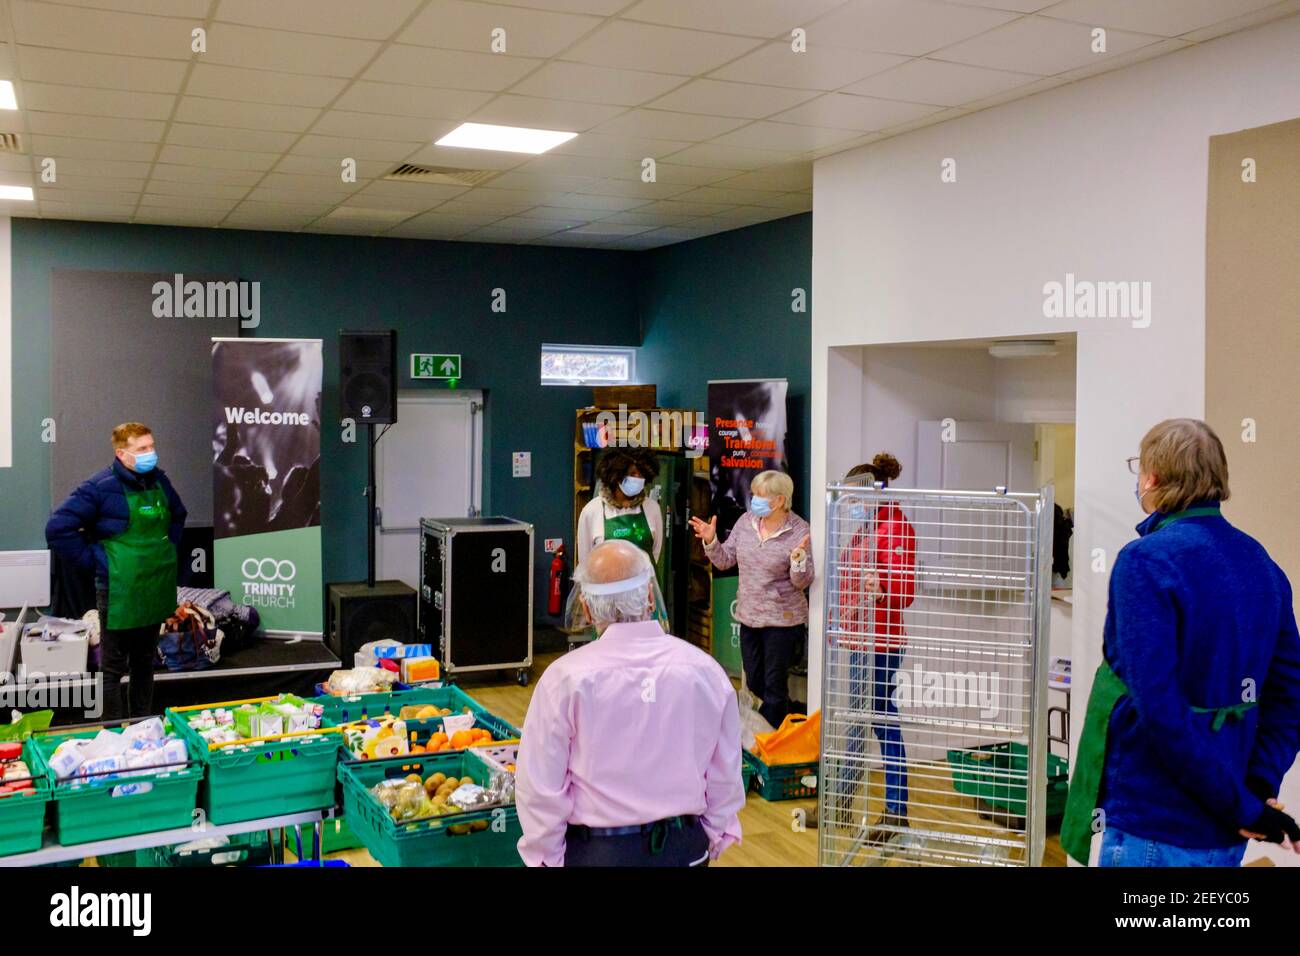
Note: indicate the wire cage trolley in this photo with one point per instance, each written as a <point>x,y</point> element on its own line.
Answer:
<point>934,677</point>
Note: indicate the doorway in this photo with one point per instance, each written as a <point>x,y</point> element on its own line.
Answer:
<point>428,465</point>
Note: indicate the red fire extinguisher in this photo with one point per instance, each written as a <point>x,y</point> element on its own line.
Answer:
<point>554,604</point>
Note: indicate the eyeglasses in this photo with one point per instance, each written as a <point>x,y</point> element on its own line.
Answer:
<point>1133,465</point>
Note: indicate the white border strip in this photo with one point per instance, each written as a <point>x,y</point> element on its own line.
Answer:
<point>6,349</point>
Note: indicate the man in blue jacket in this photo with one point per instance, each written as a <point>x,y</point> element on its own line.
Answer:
<point>1194,715</point>
<point>124,523</point>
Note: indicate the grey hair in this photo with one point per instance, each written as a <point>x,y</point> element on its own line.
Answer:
<point>624,607</point>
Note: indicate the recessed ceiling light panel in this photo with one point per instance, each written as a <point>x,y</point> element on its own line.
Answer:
<point>7,99</point>
<point>506,139</point>
<point>17,192</point>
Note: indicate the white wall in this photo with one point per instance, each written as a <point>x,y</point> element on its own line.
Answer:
<point>1104,178</point>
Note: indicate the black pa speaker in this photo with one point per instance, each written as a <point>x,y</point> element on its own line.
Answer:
<point>358,614</point>
<point>368,376</point>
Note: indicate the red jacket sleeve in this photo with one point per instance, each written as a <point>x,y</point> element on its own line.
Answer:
<point>852,591</point>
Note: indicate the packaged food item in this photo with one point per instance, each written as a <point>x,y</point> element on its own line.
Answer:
<point>397,652</point>
<point>417,669</point>
<point>67,758</point>
<point>376,738</point>
<point>361,680</point>
<point>403,799</point>
<point>15,775</point>
<point>285,714</point>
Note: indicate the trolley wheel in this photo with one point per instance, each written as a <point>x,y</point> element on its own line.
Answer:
<point>522,676</point>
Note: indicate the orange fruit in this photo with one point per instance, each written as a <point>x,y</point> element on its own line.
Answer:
<point>461,739</point>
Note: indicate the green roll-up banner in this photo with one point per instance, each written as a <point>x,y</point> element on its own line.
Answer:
<point>726,629</point>
<point>266,478</point>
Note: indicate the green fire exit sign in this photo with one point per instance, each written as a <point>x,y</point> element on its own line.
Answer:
<point>434,366</point>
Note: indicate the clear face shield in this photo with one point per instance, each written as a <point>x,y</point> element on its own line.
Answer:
<point>597,604</point>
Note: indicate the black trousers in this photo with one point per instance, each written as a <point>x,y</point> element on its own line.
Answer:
<point>766,653</point>
<point>688,846</point>
<point>132,651</point>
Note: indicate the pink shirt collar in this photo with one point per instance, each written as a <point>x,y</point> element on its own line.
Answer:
<point>649,628</point>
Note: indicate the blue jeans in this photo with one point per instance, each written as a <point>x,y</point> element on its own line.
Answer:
<point>875,670</point>
<point>1124,849</point>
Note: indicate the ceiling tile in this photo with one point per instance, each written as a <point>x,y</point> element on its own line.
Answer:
<point>337,148</point>
<point>607,203</point>
<point>1243,23</point>
<point>453,69</point>
<point>101,31</point>
<point>622,149</point>
<point>99,70</point>
<point>673,207</point>
<point>642,46</point>
<point>1038,86</point>
<point>633,189</point>
<point>373,19</point>
<point>509,229</point>
<point>1121,60</point>
<point>730,157</point>
<point>84,210</point>
<point>596,84</point>
<point>95,127</point>
<point>387,189</point>
<point>939,83</point>
<point>662,124</point>
<point>758,18</point>
<point>690,175</point>
<point>330,166</point>
<point>910,27</point>
<point>197,9</point>
<point>564,216</point>
<point>87,196</point>
<point>171,216</point>
<point>241,115</point>
<point>606,228</point>
<point>1168,18</point>
<point>636,217</point>
<point>223,137</point>
<point>1019,6</point>
<point>1038,45</point>
<point>844,111</point>
<point>821,67</point>
<point>188,201</point>
<point>217,158</point>
<point>717,98</point>
<point>287,210</point>
<point>162,187</point>
<point>786,136</point>
<point>431,229</point>
<point>398,128</point>
<point>511,110</point>
<point>469,204</point>
<point>792,176</point>
<point>728,196</point>
<point>262,86</point>
<point>388,99</point>
<point>458,25</point>
<point>259,49</point>
<point>201,174</point>
<point>319,187</point>
<point>504,197</point>
<point>94,167</point>
<point>518,179</point>
<point>132,104</point>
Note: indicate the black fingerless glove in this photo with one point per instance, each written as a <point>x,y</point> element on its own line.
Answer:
<point>1275,825</point>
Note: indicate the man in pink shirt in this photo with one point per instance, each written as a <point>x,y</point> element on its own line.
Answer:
<point>630,751</point>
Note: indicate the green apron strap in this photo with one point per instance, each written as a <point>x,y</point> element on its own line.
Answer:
<point>142,564</point>
<point>1223,714</point>
<point>1089,761</point>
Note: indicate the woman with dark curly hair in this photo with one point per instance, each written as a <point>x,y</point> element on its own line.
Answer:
<point>622,507</point>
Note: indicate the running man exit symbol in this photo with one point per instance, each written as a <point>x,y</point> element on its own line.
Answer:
<point>425,365</point>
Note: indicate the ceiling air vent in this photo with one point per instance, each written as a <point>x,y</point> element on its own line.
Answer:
<point>447,175</point>
<point>9,143</point>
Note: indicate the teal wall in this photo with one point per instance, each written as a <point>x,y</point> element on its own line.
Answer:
<point>717,307</point>
<point>436,294</point>
<point>720,307</point>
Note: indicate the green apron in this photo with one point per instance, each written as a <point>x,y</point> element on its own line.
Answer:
<point>1090,759</point>
<point>142,564</point>
<point>633,527</point>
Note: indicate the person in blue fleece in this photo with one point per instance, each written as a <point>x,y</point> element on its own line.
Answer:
<point>1194,715</point>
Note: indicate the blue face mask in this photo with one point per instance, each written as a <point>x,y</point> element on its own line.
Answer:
<point>858,512</point>
<point>631,486</point>
<point>761,507</point>
<point>145,462</point>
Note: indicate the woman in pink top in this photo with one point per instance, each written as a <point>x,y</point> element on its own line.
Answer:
<point>770,546</point>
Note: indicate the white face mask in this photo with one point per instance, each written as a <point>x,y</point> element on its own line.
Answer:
<point>631,486</point>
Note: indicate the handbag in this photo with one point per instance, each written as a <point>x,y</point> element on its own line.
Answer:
<point>189,640</point>
<point>797,740</point>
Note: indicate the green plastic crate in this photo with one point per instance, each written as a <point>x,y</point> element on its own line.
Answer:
<point>266,779</point>
<point>996,774</point>
<point>780,782</point>
<point>419,732</point>
<point>89,810</point>
<point>22,815</point>
<point>746,775</point>
<point>245,849</point>
<point>427,842</point>
<point>342,710</point>
<point>337,834</point>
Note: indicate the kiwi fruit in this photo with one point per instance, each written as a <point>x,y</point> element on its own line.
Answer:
<point>478,826</point>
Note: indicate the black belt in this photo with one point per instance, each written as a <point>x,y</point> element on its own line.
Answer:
<point>658,830</point>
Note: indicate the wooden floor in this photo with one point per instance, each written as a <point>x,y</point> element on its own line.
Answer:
<point>773,834</point>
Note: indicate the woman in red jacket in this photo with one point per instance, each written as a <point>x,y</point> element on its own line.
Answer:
<point>877,581</point>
